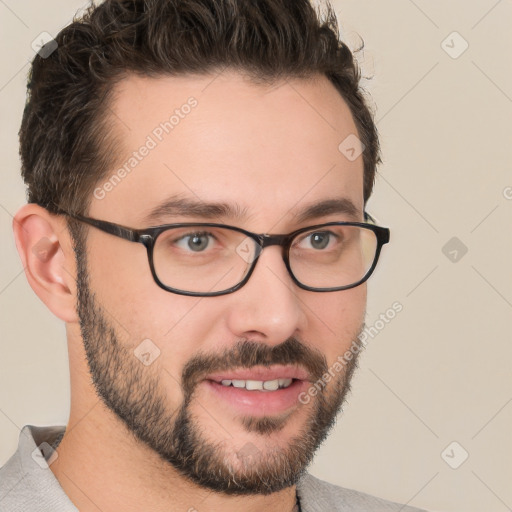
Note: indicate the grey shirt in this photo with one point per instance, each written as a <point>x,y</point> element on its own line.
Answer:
<point>27,484</point>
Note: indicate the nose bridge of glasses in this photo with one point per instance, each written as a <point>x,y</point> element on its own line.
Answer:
<point>268,240</point>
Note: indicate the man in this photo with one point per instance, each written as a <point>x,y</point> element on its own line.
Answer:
<point>197,176</point>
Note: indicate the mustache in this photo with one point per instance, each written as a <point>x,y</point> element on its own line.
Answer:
<point>246,354</point>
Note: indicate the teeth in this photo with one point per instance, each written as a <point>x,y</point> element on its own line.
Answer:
<point>284,383</point>
<point>258,385</point>
<point>271,385</point>
<point>251,385</point>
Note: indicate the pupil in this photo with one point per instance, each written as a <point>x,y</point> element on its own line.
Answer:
<point>319,240</point>
<point>198,242</point>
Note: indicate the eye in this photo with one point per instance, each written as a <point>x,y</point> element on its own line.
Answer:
<point>318,240</point>
<point>195,242</point>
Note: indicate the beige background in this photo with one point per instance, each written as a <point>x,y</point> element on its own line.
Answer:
<point>440,370</point>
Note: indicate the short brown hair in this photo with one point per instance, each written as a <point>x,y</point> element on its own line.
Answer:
<point>66,145</point>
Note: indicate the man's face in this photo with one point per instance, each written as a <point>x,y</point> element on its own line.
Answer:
<point>269,152</point>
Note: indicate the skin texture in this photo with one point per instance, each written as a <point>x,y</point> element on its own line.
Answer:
<point>273,150</point>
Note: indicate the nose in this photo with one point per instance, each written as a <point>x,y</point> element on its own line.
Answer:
<point>268,307</point>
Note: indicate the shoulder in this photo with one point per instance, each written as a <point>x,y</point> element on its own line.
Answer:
<point>26,481</point>
<point>318,496</point>
<point>11,474</point>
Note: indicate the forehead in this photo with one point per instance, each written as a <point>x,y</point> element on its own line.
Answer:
<point>269,149</point>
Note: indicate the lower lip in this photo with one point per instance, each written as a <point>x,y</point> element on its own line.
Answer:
<point>259,403</point>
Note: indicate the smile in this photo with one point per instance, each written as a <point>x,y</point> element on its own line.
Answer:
<point>258,385</point>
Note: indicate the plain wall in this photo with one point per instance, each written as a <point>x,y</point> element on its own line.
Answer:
<point>439,372</point>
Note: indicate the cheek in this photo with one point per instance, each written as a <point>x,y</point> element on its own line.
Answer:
<point>118,270</point>
<point>335,320</point>
<point>133,305</point>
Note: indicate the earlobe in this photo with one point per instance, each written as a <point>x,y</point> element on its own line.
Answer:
<point>46,252</point>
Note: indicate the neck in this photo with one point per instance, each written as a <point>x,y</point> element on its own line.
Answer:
<point>101,465</point>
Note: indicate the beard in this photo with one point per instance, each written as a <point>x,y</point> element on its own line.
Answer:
<point>135,394</point>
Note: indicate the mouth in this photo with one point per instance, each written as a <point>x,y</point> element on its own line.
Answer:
<point>259,391</point>
<point>258,385</point>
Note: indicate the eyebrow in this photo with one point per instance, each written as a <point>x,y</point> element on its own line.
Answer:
<point>336,206</point>
<point>177,206</point>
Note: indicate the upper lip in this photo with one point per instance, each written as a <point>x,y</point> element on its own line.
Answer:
<point>261,373</point>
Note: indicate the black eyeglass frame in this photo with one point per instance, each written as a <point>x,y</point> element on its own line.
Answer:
<point>148,237</point>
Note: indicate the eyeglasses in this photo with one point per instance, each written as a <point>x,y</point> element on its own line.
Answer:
<point>208,259</point>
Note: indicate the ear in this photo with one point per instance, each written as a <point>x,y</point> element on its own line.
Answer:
<point>47,254</point>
